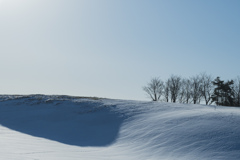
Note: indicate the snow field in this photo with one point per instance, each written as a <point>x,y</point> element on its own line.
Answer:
<point>42,127</point>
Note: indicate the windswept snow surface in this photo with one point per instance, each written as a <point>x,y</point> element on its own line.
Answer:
<point>39,127</point>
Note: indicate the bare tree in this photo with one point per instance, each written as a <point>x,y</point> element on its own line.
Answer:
<point>207,87</point>
<point>186,91</point>
<point>167,90</point>
<point>182,92</point>
<point>175,86</point>
<point>154,89</point>
<point>196,85</point>
<point>236,90</point>
<point>181,97</point>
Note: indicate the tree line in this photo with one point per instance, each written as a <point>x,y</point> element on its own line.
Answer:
<point>202,88</point>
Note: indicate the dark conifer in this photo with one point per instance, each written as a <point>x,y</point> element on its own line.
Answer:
<point>223,94</point>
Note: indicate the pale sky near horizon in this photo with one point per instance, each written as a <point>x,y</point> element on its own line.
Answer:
<point>111,48</point>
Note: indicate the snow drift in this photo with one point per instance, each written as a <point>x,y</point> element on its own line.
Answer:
<point>64,127</point>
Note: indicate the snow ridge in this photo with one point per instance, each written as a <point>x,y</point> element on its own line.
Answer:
<point>65,127</point>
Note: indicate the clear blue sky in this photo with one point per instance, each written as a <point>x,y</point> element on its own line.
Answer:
<point>111,48</point>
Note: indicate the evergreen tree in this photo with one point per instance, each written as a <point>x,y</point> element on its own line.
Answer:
<point>223,93</point>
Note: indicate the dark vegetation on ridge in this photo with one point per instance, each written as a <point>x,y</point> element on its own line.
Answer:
<point>198,89</point>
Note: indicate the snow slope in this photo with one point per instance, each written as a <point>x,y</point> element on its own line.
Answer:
<point>39,127</point>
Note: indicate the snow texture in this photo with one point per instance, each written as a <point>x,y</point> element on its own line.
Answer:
<point>39,127</point>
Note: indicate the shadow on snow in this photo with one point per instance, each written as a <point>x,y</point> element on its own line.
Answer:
<point>74,123</point>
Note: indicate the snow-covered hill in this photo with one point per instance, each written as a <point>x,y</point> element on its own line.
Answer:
<point>39,127</point>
